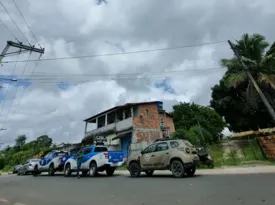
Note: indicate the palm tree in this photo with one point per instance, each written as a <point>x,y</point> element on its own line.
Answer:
<point>260,60</point>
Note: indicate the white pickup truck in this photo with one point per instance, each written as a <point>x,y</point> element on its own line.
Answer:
<point>95,159</point>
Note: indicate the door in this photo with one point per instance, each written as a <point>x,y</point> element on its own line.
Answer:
<point>86,156</point>
<point>161,155</point>
<point>125,144</point>
<point>147,158</point>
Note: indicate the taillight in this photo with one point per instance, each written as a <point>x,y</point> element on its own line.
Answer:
<point>106,155</point>
<point>60,159</point>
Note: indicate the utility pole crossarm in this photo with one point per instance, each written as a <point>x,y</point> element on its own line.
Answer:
<point>25,47</point>
<point>268,106</point>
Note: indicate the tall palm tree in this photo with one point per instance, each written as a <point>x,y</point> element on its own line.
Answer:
<point>259,57</point>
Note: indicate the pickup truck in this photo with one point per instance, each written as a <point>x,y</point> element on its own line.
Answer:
<point>95,159</point>
<point>52,162</point>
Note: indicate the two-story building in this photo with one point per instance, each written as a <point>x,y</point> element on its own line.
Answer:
<point>130,127</point>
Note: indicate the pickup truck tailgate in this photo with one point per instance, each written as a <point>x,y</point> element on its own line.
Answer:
<point>115,156</point>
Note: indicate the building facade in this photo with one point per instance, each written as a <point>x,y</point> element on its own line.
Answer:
<point>130,127</point>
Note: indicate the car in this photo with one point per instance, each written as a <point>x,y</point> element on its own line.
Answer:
<point>28,167</point>
<point>178,156</point>
<point>53,161</point>
<point>16,169</point>
<point>95,159</point>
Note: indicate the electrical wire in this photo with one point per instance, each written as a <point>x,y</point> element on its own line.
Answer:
<point>26,23</point>
<point>121,53</point>
<point>14,22</point>
<point>9,30</point>
<point>17,85</point>
<point>5,95</point>
<point>25,89</point>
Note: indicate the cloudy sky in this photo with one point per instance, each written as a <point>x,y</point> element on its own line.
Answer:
<point>55,96</point>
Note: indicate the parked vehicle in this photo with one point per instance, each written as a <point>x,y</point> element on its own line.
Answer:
<point>16,169</point>
<point>205,158</point>
<point>179,156</point>
<point>96,159</point>
<point>52,162</point>
<point>28,167</point>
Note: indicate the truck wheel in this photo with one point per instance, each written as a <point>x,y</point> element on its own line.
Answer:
<point>51,170</point>
<point>110,171</point>
<point>134,169</point>
<point>35,171</point>
<point>177,168</point>
<point>190,171</point>
<point>85,173</point>
<point>67,171</point>
<point>149,173</point>
<point>93,169</point>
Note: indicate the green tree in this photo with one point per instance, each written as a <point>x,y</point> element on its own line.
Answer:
<point>20,141</point>
<point>199,136</point>
<point>234,97</point>
<point>44,141</point>
<point>260,61</point>
<point>179,134</point>
<point>188,115</point>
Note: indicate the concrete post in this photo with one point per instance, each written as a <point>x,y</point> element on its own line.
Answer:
<point>106,122</point>
<point>123,114</point>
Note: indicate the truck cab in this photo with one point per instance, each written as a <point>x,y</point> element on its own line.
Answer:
<point>51,162</point>
<point>95,159</point>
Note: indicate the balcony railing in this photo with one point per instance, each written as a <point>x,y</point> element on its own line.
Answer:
<point>114,127</point>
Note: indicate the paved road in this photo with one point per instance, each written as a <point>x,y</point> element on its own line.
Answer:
<point>252,189</point>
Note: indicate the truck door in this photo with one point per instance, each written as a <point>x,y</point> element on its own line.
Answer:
<point>162,155</point>
<point>147,158</point>
<point>86,156</point>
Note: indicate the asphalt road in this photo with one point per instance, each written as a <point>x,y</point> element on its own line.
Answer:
<point>252,189</point>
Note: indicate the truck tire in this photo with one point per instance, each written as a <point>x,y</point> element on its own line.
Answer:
<point>149,173</point>
<point>93,169</point>
<point>110,171</point>
<point>85,173</point>
<point>190,171</point>
<point>51,170</point>
<point>67,170</point>
<point>177,168</point>
<point>134,169</point>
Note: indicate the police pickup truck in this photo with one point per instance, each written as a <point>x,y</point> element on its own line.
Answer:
<point>52,162</point>
<point>95,159</point>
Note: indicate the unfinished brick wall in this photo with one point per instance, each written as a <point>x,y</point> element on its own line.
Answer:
<point>148,117</point>
<point>147,135</point>
<point>170,123</point>
<point>268,146</point>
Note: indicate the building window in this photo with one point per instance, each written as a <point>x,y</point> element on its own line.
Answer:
<point>101,121</point>
<point>136,111</point>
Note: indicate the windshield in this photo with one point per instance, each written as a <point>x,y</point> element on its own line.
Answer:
<point>101,149</point>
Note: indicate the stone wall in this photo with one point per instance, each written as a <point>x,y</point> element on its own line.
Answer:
<point>268,146</point>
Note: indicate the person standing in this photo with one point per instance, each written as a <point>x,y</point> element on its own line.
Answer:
<point>79,157</point>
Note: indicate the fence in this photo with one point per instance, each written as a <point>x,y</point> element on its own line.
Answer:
<point>233,152</point>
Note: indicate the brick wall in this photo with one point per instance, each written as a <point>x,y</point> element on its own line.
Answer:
<point>148,117</point>
<point>147,124</point>
<point>168,122</point>
<point>268,146</point>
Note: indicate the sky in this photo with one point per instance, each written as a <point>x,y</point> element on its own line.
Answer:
<point>54,97</point>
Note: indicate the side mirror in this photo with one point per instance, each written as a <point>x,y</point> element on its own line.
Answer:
<point>142,152</point>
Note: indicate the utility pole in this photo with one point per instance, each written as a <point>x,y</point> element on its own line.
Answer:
<point>21,47</point>
<point>245,68</point>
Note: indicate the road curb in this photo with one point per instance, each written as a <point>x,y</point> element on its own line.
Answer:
<point>228,171</point>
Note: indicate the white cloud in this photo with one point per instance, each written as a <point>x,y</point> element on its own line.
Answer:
<point>75,28</point>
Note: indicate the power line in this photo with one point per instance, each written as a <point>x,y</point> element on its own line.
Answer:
<point>9,30</point>
<point>4,98</point>
<point>25,89</point>
<point>16,89</point>
<point>26,22</point>
<point>14,22</point>
<point>121,53</point>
